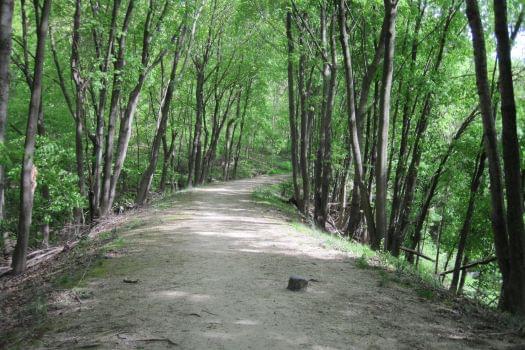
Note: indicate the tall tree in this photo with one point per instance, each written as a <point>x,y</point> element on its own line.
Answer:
<point>160,131</point>
<point>499,225</point>
<point>352,121</point>
<point>292,116</point>
<point>6,19</point>
<point>515,297</point>
<point>384,120</point>
<point>79,102</point>
<point>29,172</point>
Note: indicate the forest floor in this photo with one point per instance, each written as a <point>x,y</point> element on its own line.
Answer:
<point>209,270</point>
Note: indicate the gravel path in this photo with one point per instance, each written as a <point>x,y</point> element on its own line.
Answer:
<point>212,271</point>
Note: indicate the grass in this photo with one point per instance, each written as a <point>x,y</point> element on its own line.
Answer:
<point>390,269</point>
<point>93,266</point>
<point>270,196</point>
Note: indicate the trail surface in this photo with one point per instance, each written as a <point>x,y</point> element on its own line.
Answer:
<point>212,271</point>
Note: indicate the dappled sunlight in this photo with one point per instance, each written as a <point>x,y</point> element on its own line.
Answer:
<point>220,190</point>
<point>245,250</point>
<point>323,347</point>
<point>247,322</point>
<point>223,234</point>
<point>177,294</point>
<point>214,274</point>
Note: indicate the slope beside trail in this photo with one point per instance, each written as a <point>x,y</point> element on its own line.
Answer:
<point>212,271</point>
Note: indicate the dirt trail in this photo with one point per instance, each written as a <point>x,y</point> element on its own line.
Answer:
<point>212,273</point>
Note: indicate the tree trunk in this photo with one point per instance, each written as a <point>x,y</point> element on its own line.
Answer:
<point>384,119</point>
<point>305,132</point>
<point>463,276</point>
<point>401,218</point>
<point>98,143</point>
<point>44,188</point>
<point>105,205</point>
<point>514,299</point>
<point>393,241</point>
<point>160,132</point>
<point>29,172</point>
<point>465,229</point>
<point>438,238</point>
<point>193,161</point>
<point>241,130</point>
<point>435,180</point>
<point>168,155</point>
<point>352,122</point>
<point>79,107</point>
<point>126,120</point>
<point>327,125</point>
<point>491,149</point>
<point>228,141</point>
<point>291,107</point>
<point>6,18</point>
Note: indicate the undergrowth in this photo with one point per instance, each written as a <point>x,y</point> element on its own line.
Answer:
<point>390,269</point>
<point>26,320</point>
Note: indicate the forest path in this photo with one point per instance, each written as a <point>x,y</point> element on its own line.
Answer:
<point>212,271</point>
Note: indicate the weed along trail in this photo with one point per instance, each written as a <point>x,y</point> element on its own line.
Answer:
<point>209,270</point>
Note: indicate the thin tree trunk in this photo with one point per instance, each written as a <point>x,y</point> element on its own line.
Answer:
<point>98,144</point>
<point>147,176</point>
<point>218,124</point>
<point>352,122</point>
<point>393,241</point>
<point>327,125</point>
<point>463,276</point>
<point>438,238</point>
<point>131,106</point>
<point>514,299</point>
<point>305,132</point>
<point>29,173</point>
<point>6,18</point>
<point>384,119</point>
<point>193,167</point>
<point>491,148</point>
<point>403,213</point>
<point>291,107</point>
<point>465,229</point>
<point>105,205</point>
<point>168,155</point>
<point>435,180</point>
<point>241,130</point>
<point>228,142</point>
<point>79,107</point>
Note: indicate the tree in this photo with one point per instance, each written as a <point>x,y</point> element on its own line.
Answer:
<point>510,293</point>
<point>29,171</point>
<point>515,298</point>
<point>382,136</point>
<point>6,18</point>
<point>291,106</point>
<point>352,122</point>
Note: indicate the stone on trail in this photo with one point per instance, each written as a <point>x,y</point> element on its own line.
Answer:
<point>130,280</point>
<point>296,283</point>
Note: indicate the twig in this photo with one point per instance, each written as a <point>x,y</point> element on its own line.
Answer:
<point>168,340</point>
